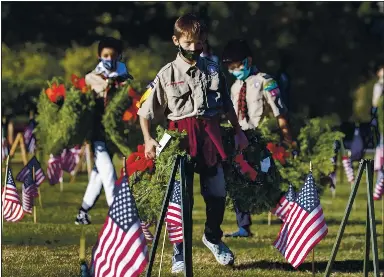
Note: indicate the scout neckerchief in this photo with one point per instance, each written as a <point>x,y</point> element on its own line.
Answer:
<point>242,101</point>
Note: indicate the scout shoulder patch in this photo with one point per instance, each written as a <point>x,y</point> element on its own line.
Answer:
<point>270,85</point>
<point>144,97</point>
<point>212,68</point>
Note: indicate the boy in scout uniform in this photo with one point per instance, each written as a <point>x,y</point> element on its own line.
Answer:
<point>192,94</point>
<point>251,94</point>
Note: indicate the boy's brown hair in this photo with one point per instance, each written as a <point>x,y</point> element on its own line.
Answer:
<point>189,25</point>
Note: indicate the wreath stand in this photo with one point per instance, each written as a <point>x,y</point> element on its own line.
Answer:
<point>370,229</point>
<point>186,208</point>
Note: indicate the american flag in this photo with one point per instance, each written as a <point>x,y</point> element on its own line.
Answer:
<point>348,169</point>
<point>174,217</point>
<point>121,249</point>
<point>68,160</point>
<point>379,188</point>
<point>40,176</point>
<point>29,137</point>
<point>54,171</point>
<point>305,226</point>
<point>29,191</point>
<point>285,204</point>
<point>13,211</point>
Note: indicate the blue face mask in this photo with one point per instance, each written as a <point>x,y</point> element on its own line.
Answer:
<point>109,64</point>
<point>243,73</point>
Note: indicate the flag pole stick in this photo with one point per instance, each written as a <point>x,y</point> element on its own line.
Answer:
<point>3,193</point>
<point>41,203</point>
<point>23,151</point>
<point>34,206</point>
<point>82,245</point>
<point>269,218</point>
<point>162,250</point>
<point>61,185</point>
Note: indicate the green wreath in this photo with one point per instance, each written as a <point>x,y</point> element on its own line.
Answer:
<point>149,187</point>
<point>66,125</point>
<point>258,195</point>
<point>124,135</point>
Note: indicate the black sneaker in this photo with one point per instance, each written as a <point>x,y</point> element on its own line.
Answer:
<point>82,218</point>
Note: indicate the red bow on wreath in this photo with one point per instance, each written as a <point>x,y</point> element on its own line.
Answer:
<point>137,161</point>
<point>245,168</point>
<point>55,91</point>
<point>278,152</point>
<point>79,83</point>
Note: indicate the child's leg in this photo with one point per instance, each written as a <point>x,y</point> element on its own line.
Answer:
<point>214,193</point>
<point>106,169</point>
<point>93,190</point>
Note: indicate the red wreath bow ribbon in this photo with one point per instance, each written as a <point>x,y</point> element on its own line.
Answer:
<point>55,91</point>
<point>245,168</point>
<point>79,83</point>
<point>278,152</point>
<point>137,162</point>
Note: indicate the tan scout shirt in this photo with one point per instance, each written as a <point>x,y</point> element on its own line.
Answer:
<point>181,90</point>
<point>261,90</point>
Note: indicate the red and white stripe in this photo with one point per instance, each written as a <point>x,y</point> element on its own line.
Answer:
<point>379,157</point>
<point>68,161</point>
<point>300,233</point>
<point>175,233</point>
<point>119,253</point>
<point>28,196</point>
<point>13,210</point>
<point>282,208</point>
<point>379,188</point>
<point>54,171</point>
<point>145,227</point>
<point>348,169</point>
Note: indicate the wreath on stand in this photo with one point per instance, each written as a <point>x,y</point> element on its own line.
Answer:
<point>149,179</point>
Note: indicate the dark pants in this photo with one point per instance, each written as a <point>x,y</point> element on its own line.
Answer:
<point>214,193</point>
<point>243,219</point>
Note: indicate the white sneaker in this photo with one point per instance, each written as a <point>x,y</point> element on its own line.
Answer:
<point>222,253</point>
<point>177,267</point>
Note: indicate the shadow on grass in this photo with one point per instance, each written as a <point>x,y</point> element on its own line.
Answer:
<point>338,266</point>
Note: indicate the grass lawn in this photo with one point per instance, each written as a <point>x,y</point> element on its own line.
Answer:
<point>50,248</point>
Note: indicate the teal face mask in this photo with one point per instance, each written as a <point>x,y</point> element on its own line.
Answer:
<point>243,73</point>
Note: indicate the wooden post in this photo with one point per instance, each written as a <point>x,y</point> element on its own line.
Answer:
<point>82,245</point>
<point>19,141</point>
<point>269,218</point>
<point>10,133</point>
<point>3,193</point>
